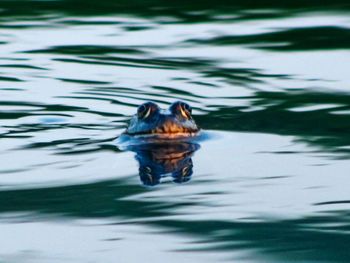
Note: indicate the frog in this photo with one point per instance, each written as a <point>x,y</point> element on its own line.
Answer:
<point>164,141</point>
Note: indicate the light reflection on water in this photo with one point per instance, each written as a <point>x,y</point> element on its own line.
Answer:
<point>269,85</point>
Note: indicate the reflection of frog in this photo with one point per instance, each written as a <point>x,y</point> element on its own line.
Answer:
<point>159,160</point>
<point>163,140</point>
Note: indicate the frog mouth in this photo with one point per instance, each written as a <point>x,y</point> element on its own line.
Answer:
<point>172,129</point>
<point>167,132</point>
<point>164,134</point>
<point>167,129</point>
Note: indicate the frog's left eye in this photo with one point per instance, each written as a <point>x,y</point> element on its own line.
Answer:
<point>182,109</point>
<point>147,110</point>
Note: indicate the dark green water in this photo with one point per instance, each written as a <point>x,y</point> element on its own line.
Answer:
<point>268,80</point>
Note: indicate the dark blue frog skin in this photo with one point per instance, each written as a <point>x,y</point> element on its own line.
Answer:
<point>164,142</point>
<point>152,122</point>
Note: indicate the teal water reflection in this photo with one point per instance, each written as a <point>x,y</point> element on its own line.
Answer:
<point>319,237</point>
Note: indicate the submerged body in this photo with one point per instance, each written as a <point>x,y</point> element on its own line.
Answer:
<point>163,160</point>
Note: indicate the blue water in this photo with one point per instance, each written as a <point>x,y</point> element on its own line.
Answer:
<point>269,85</point>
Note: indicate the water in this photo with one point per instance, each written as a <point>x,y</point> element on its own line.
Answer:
<point>269,84</point>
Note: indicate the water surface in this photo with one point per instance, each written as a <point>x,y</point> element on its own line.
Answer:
<point>267,81</point>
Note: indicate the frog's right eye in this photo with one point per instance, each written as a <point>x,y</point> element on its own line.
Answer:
<point>147,110</point>
<point>181,109</point>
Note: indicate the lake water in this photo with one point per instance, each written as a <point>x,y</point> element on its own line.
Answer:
<point>269,85</point>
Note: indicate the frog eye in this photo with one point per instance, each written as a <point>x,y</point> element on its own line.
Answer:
<point>182,109</point>
<point>146,110</point>
<point>187,107</point>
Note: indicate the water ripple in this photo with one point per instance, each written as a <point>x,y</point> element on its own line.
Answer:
<point>268,84</point>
